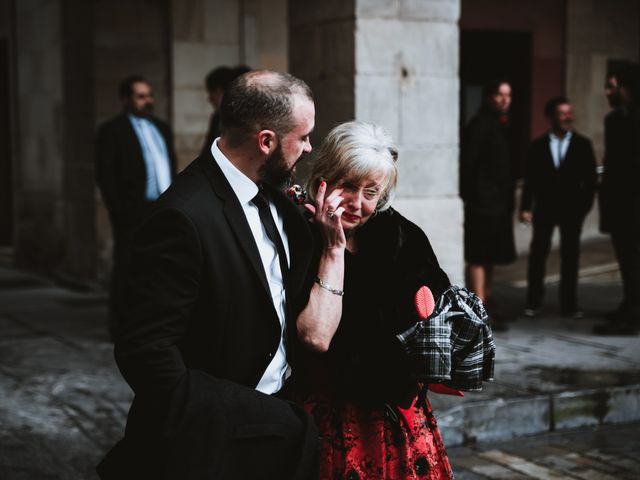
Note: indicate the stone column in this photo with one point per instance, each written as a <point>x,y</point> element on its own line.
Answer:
<point>396,64</point>
<point>39,106</point>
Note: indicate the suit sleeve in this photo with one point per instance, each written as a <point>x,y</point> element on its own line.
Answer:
<point>162,289</point>
<point>528,186</point>
<point>107,169</point>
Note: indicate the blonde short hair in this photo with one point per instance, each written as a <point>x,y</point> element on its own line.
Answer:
<point>354,151</point>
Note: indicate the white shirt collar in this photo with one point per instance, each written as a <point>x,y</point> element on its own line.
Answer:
<point>244,188</point>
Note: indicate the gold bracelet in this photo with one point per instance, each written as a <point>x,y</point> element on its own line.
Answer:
<point>329,288</point>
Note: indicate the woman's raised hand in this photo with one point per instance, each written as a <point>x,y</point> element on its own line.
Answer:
<point>326,214</point>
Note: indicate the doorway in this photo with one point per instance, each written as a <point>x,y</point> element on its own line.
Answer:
<point>487,55</point>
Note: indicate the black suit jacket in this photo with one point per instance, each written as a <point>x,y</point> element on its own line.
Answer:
<point>619,193</point>
<point>200,327</point>
<point>121,173</point>
<point>556,193</point>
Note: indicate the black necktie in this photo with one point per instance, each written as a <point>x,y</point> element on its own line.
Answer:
<point>260,201</point>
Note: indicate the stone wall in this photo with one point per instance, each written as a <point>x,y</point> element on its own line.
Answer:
<point>38,166</point>
<point>210,33</point>
<point>407,81</point>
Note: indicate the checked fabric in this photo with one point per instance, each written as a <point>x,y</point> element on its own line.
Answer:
<point>454,345</point>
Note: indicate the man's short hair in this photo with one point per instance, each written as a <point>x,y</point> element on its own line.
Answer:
<point>125,89</point>
<point>219,77</point>
<point>552,104</point>
<point>260,100</point>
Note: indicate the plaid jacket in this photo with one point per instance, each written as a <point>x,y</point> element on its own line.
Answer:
<point>454,344</point>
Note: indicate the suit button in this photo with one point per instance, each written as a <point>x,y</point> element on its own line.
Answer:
<point>270,355</point>
<point>421,466</point>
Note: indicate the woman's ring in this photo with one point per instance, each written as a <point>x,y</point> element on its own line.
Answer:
<point>330,213</point>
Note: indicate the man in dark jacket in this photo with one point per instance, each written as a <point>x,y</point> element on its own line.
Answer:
<point>559,187</point>
<point>135,163</point>
<point>620,198</point>
<point>216,277</point>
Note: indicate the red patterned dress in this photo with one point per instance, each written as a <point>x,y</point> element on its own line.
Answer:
<point>356,391</point>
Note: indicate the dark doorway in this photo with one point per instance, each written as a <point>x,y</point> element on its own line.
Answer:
<point>486,55</point>
<point>6,174</point>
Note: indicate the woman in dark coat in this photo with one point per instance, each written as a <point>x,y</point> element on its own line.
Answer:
<point>487,189</point>
<point>374,419</point>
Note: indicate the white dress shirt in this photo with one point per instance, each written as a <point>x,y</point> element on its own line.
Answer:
<point>244,188</point>
<point>559,147</point>
<point>155,155</point>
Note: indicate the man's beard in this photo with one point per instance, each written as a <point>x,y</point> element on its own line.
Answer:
<point>275,170</point>
<point>145,111</point>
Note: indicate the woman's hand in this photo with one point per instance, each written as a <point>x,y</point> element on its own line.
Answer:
<point>327,214</point>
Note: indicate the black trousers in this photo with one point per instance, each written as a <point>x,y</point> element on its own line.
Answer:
<point>570,229</point>
<point>626,244</point>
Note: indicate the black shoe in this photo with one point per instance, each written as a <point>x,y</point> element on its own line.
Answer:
<point>619,328</point>
<point>531,312</point>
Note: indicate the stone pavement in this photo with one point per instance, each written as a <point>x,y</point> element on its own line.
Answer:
<point>552,373</point>
<point>63,402</point>
<point>602,453</point>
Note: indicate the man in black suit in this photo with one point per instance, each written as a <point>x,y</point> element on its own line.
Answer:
<point>620,196</point>
<point>135,163</point>
<point>214,290</point>
<point>559,186</point>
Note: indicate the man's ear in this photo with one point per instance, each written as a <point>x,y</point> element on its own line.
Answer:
<point>267,141</point>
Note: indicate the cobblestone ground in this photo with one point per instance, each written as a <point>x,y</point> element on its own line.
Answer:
<point>62,400</point>
<point>605,453</point>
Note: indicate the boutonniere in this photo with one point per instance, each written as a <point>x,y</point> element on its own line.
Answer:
<point>297,194</point>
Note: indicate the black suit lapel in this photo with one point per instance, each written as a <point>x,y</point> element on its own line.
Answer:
<point>570,151</point>
<point>548,156</point>
<point>235,216</point>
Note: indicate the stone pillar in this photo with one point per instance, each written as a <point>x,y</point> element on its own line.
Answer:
<point>395,64</point>
<point>78,184</point>
<point>39,106</point>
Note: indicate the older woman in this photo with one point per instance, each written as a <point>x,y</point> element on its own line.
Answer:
<point>374,419</point>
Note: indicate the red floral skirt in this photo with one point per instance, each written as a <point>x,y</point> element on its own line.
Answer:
<point>378,443</point>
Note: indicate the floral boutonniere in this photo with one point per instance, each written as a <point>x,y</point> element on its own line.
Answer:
<point>297,194</point>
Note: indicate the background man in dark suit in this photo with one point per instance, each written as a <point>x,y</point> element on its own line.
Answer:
<point>559,187</point>
<point>135,163</point>
<point>620,197</point>
<point>215,287</point>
